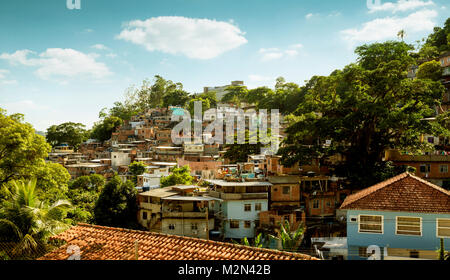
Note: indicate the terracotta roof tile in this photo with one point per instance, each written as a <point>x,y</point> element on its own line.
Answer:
<point>106,243</point>
<point>402,193</point>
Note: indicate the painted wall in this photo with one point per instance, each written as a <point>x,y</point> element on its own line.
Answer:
<point>234,210</point>
<point>427,242</point>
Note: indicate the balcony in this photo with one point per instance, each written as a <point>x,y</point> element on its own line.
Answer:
<point>187,215</point>
<point>238,196</point>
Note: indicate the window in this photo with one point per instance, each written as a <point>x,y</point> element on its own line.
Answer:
<point>247,207</point>
<point>316,204</point>
<point>370,224</point>
<point>443,228</point>
<point>258,207</point>
<point>248,224</point>
<point>431,140</point>
<point>443,168</point>
<point>409,226</point>
<point>425,168</point>
<point>234,224</point>
<point>171,226</point>
<point>144,215</point>
<point>286,190</point>
<point>194,226</point>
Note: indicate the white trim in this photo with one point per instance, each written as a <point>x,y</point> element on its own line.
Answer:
<point>396,226</point>
<point>382,224</point>
<point>437,227</point>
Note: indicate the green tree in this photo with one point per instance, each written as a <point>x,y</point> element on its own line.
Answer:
<point>52,182</point>
<point>205,105</point>
<point>179,176</point>
<point>290,240</point>
<point>21,149</point>
<point>103,129</point>
<point>69,133</point>
<point>235,94</point>
<point>430,70</point>
<point>27,222</point>
<point>136,168</point>
<point>116,205</point>
<point>364,109</point>
<point>123,111</point>
<point>177,97</point>
<point>83,194</point>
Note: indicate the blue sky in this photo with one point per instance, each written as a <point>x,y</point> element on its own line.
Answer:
<point>59,64</point>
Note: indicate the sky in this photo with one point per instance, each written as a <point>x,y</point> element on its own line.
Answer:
<point>59,63</point>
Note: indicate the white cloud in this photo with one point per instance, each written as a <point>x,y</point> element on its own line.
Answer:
<point>388,27</point>
<point>276,53</point>
<point>100,47</point>
<point>192,37</point>
<point>23,105</point>
<point>399,6</point>
<point>4,80</point>
<point>310,15</point>
<point>56,62</point>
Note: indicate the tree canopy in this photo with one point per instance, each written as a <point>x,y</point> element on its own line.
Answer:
<point>364,109</point>
<point>69,133</point>
<point>116,205</point>
<point>179,176</point>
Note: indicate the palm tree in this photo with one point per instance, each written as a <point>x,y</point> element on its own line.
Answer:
<point>401,34</point>
<point>290,240</point>
<point>26,222</point>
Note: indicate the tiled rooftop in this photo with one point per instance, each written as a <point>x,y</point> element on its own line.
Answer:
<point>106,243</point>
<point>402,193</point>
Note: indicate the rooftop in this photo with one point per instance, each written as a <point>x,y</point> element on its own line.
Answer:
<point>107,243</point>
<point>223,183</point>
<point>402,193</point>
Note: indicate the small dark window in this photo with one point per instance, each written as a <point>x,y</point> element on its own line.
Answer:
<point>247,207</point>
<point>144,215</point>
<point>248,224</point>
<point>286,190</point>
<point>234,224</point>
<point>414,254</point>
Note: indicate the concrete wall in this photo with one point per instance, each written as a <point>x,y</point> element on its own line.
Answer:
<point>234,210</point>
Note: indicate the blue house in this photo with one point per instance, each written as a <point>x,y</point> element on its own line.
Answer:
<point>241,203</point>
<point>403,217</point>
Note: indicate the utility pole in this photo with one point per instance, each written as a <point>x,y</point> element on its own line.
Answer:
<point>207,223</point>
<point>136,250</point>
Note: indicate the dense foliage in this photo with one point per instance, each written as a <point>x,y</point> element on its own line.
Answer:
<point>69,133</point>
<point>116,205</point>
<point>179,176</point>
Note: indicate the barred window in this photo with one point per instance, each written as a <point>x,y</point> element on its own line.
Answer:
<point>409,226</point>
<point>370,224</point>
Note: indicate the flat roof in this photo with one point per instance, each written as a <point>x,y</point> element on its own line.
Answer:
<point>161,192</point>
<point>190,198</point>
<point>223,183</point>
<point>160,163</point>
<point>86,164</point>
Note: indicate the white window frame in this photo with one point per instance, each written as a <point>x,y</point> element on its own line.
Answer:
<point>382,224</point>
<point>437,227</point>
<point>396,226</point>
